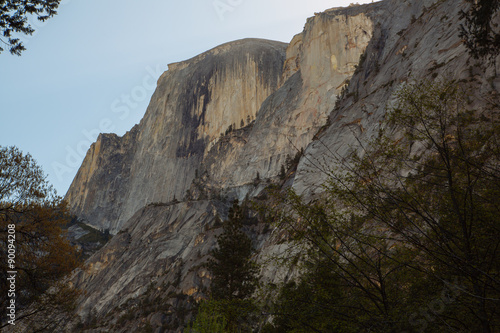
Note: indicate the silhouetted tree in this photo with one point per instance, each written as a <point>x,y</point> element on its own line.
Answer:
<point>14,16</point>
<point>282,173</point>
<point>234,274</point>
<point>408,221</point>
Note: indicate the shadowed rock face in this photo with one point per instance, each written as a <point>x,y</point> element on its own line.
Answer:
<point>173,247</point>
<point>195,101</point>
<point>412,41</point>
<point>319,62</point>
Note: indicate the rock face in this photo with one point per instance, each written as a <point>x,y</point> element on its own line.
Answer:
<point>318,63</point>
<point>412,41</point>
<point>200,100</point>
<point>156,253</point>
<point>276,98</point>
<point>195,101</point>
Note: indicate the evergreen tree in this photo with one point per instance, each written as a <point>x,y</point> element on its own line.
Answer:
<point>234,277</point>
<point>282,173</point>
<point>14,16</point>
<point>234,274</point>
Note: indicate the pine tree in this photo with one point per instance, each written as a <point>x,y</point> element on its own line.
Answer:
<point>234,278</point>
<point>234,274</point>
<point>282,173</point>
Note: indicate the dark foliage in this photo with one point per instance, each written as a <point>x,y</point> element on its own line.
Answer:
<point>42,255</point>
<point>14,16</point>
<point>481,35</point>
<point>233,271</point>
<point>406,237</point>
<point>234,280</point>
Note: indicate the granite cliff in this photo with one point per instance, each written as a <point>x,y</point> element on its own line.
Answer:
<point>194,103</point>
<point>218,120</point>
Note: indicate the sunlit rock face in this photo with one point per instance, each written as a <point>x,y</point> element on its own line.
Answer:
<point>319,61</point>
<point>195,101</point>
<point>273,96</point>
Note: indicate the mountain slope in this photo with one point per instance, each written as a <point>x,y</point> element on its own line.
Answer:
<point>129,184</point>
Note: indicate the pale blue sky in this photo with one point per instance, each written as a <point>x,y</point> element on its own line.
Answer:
<point>93,67</point>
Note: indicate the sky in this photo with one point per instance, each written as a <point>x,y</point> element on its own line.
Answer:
<point>93,67</point>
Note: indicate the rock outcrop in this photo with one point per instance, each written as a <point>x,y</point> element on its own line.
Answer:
<point>199,101</point>
<point>277,99</point>
<point>415,40</point>
<point>156,246</point>
<point>195,103</point>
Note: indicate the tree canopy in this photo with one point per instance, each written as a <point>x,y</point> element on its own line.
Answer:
<point>406,237</point>
<point>14,15</point>
<point>31,217</point>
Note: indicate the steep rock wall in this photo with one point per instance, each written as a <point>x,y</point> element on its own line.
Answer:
<point>413,41</point>
<point>172,142</point>
<point>195,101</point>
<point>235,85</point>
<point>107,163</point>
<point>319,62</point>
<point>149,252</point>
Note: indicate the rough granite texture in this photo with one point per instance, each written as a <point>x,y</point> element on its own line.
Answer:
<point>287,93</point>
<point>195,101</point>
<point>418,40</point>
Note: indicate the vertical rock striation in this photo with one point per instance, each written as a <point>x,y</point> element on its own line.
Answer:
<point>195,101</point>
<point>281,95</point>
<point>319,62</point>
